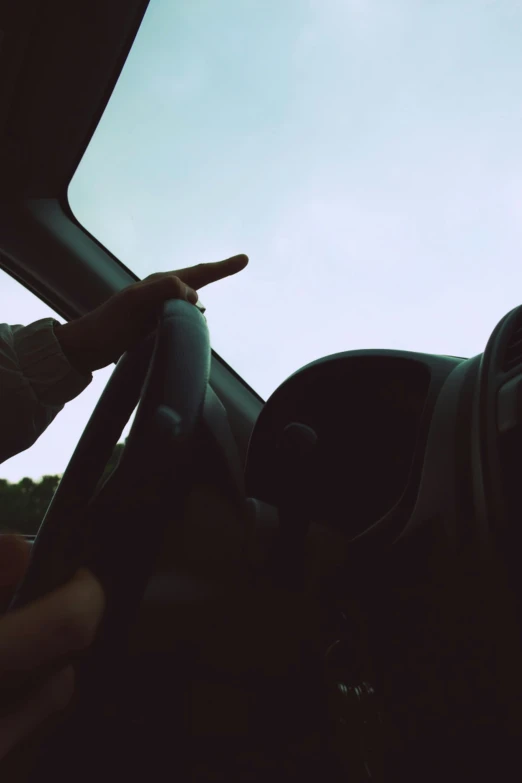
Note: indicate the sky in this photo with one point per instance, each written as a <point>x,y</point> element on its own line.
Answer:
<point>365,154</point>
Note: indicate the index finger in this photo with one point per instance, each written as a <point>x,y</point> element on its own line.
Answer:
<point>204,274</point>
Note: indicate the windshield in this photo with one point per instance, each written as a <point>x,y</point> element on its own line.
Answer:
<point>364,153</point>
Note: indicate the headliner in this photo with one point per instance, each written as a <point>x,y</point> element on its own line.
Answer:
<point>59,62</point>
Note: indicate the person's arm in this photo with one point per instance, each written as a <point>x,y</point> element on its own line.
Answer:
<point>36,380</point>
<point>46,364</point>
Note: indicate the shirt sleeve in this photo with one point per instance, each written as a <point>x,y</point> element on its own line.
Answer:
<point>36,380</point>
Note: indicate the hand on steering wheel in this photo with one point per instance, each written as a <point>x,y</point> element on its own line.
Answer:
<point>103,335</point>
<point>35,639</point>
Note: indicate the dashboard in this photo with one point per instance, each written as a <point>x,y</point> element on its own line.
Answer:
<point>416,468</point>
<point>371,412</point>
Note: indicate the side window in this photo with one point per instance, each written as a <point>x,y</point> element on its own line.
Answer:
<point>29,479</point>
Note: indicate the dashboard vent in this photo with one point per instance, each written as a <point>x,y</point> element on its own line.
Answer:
<point>513,352</point>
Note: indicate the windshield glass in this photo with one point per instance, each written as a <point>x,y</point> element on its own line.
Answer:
<point>364,153</point>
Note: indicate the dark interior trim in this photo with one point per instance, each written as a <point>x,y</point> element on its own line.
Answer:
<point>60,62</point>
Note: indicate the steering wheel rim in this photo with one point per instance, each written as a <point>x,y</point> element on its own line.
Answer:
<point>180,431</point>
<point>167,374</point>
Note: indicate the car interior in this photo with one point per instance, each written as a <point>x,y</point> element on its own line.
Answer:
<point>324,585</point>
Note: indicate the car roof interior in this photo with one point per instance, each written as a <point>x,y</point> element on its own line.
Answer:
<point>59,62</point>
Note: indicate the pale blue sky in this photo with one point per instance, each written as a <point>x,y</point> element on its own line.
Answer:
<point>364,153</point>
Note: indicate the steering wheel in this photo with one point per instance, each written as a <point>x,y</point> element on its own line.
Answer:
<point>106,528</point>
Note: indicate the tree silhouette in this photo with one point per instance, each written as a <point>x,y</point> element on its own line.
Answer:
<point>23,505</point>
